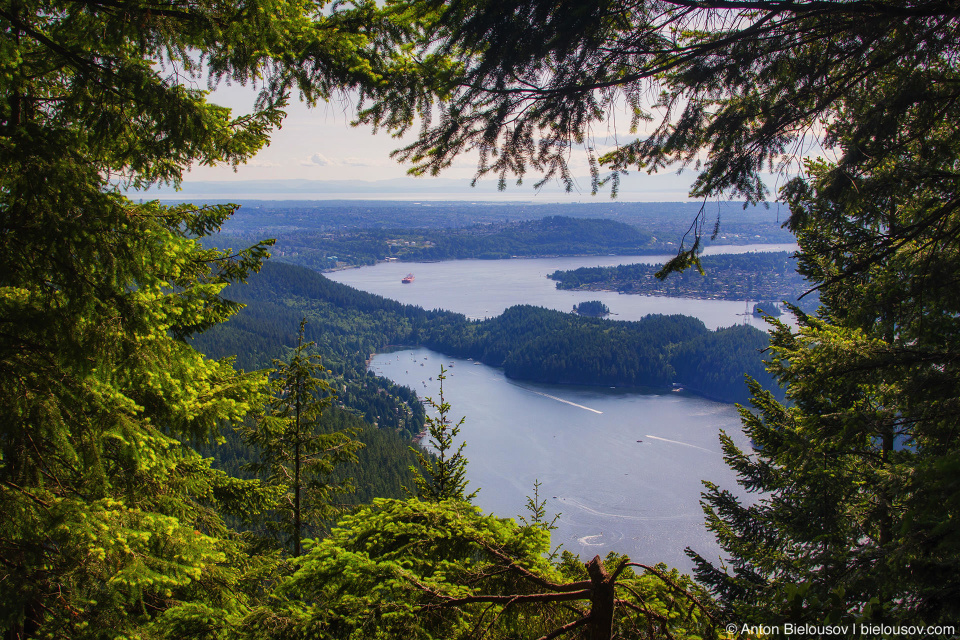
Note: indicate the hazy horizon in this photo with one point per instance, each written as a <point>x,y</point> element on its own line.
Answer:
<point>633,188</point>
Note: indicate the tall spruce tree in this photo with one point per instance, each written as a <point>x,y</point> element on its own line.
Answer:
<point>294,454</point>
<point>857,476</point>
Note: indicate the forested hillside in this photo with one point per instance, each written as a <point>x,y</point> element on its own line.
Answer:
<point>347,326</point>
<point>383,464</point>
<point>530,343</point>
<point>549,236</point>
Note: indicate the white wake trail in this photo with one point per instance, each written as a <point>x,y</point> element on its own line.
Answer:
<point>572,404</point>
<point>686,444</point>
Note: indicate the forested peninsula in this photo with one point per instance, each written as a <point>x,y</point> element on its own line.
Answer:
<point>744,276</point>
<point>530,343</point>
<point>339,247</point>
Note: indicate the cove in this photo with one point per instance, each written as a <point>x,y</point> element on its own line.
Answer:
<point>623,468</point>
<point>484,288</point>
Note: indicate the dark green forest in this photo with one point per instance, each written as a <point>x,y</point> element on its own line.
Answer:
<point>592,308</point>
<point>118,524</point>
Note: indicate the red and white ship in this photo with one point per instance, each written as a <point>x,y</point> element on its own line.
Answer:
<point>407,279</point>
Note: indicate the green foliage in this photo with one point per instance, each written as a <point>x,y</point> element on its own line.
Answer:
<point>442,476</point>
<point>374,575</point>
<point>537,508</point>
<point>856,519</point>
<point>382,468</point>
<point>110,520</point>
<point>294,454</point>
<point>418,570</point>
<point>715,364</point>
<point>592,308</point>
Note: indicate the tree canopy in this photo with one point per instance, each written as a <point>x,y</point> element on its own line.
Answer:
<point>441,569</point>
<point>111,522</point>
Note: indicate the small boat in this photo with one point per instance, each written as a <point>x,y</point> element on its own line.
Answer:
<point>407,279</point>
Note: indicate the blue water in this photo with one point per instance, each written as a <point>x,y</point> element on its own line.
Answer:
<point>624,468</point>
<point>484,288</point>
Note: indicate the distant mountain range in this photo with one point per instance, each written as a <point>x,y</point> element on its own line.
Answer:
<point>636,187</point>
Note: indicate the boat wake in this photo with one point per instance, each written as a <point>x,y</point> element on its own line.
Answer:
<point>633,518</point>
<point>599,539</point>
<point>572,404</point>
<point>685,444</point>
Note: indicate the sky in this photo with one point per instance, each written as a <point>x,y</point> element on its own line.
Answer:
<point>351,162</point>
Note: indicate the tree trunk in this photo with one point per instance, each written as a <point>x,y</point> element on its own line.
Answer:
<point>297,526</point>
<point>601,601</point>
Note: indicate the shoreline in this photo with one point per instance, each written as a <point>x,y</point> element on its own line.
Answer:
<point>673,387</point>
<point>641,251</point>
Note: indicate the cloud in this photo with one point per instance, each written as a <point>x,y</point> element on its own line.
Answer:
<point>321,160</point>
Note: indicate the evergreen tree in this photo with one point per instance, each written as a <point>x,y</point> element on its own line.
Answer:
<point>443,476</point>
<point>857,518</point>
<point>294,455</point>
<point>422,570</point>
<point>111,523</point>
